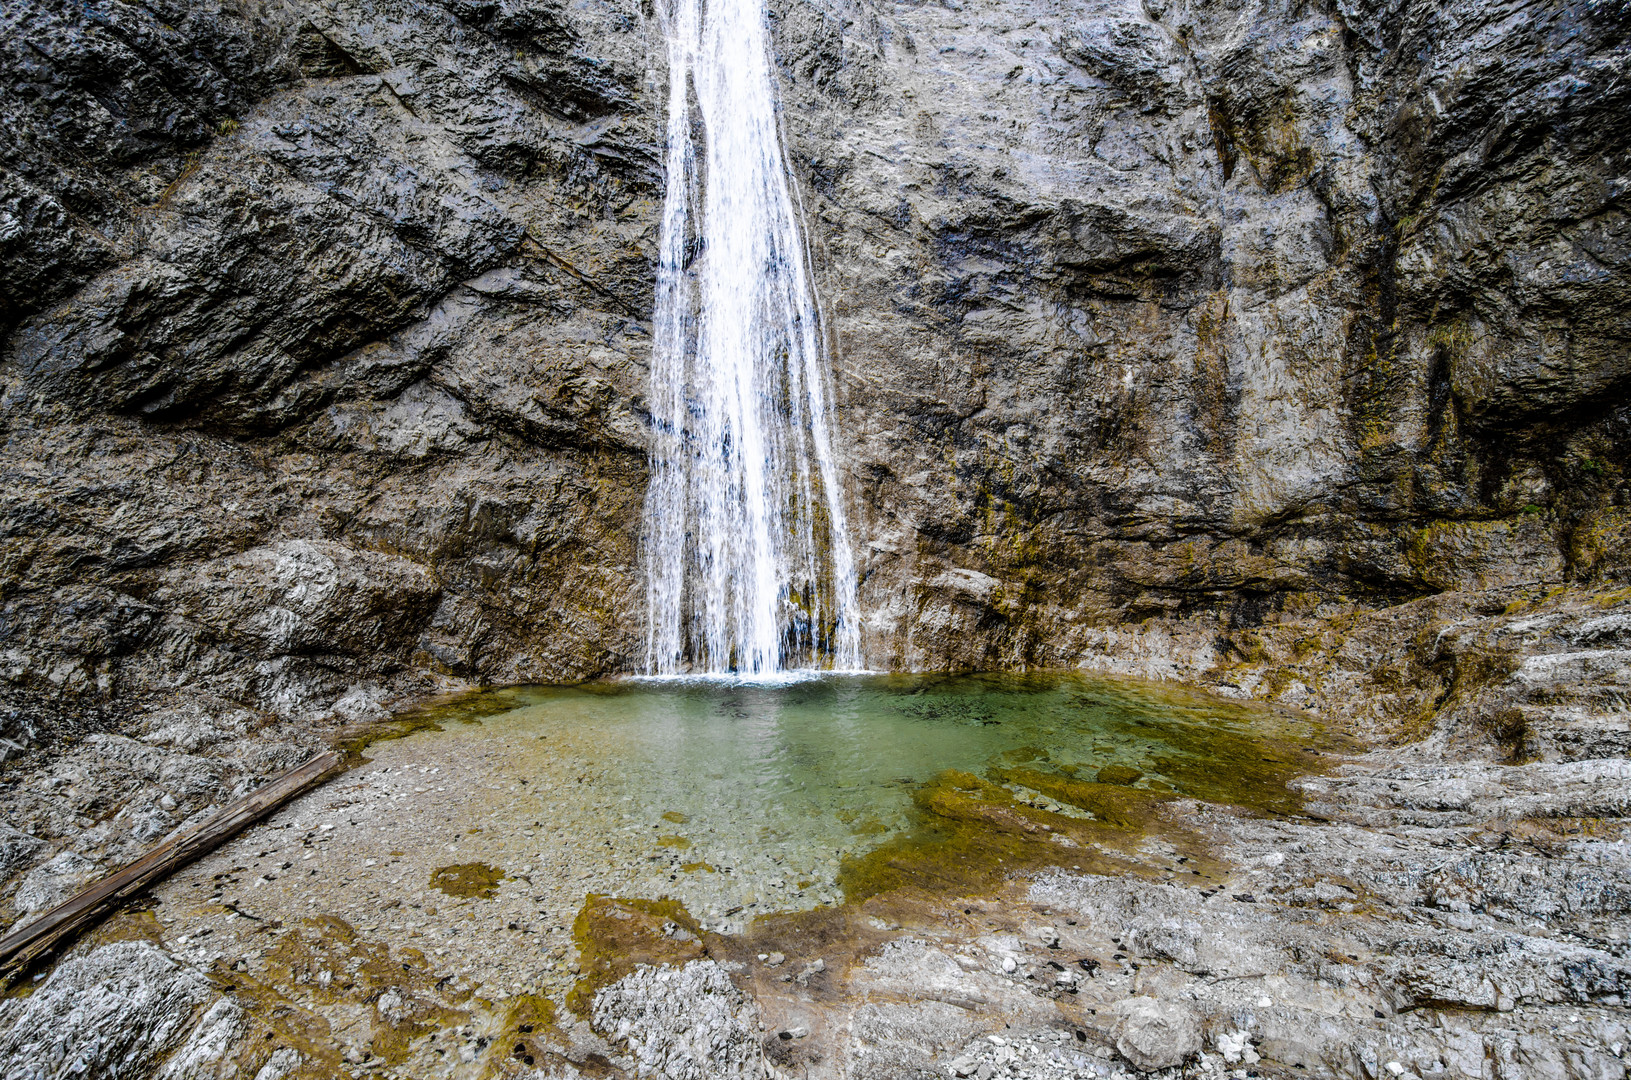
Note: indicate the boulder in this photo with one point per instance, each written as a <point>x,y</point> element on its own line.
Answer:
<point>1154,1034</point>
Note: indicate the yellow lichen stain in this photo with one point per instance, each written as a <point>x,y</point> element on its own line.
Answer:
<point>869,826</point>
<point>1125,775</point>
<point>525,1038</point>
<point>614,935</point>
<point>470,881</point>
<point>676,817</point>
<point>678,843</point>
<point>695,867</point>
<point>323,961</point>
<point>142,925</point>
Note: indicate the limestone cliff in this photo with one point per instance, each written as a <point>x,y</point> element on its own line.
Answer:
<point>1217,312</point>
<point>1155,328</point>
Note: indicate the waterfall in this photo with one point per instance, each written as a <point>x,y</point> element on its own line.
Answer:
<point>747,555</point>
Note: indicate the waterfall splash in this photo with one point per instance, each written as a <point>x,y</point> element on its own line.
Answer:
<point>748,558</point>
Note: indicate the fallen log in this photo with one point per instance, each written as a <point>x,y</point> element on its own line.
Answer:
<point>24,945</point>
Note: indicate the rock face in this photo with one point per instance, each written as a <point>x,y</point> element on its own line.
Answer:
<point>1227,313</point>
<point>1145,317</point>
<point>109,1013</point>
<point>319,319</point>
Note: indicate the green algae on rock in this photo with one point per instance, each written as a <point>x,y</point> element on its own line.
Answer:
<point>467,880</point>
<point>616,934</point>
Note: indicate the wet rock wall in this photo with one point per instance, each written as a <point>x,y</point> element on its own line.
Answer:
<point>1153,326</point>
<point>323,350</point>
<point>1212,315</point>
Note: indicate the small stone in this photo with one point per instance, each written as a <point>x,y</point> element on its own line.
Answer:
<point>1232,1045</point>
<point>168,802</point>
<point>963,1067</point>
<point>1263,1002</point>
<point>775,959</point>
<point>1008,964</point>
<point>1395,1067</point>
<point>1047,935</point>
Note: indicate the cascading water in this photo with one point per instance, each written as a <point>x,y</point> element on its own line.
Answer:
<point>748,558</point>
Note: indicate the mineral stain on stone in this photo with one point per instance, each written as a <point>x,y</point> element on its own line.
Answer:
<point>528,1020</point>
<point>332,964</point>
<point>616,934</point>
<point>470,881</point>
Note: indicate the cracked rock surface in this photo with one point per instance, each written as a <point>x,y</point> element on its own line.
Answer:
<point>687,1023</point>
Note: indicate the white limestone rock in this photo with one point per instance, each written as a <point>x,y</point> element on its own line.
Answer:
<point>688,1023</point>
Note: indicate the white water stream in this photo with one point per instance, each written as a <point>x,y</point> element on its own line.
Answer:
<point>748,558</point>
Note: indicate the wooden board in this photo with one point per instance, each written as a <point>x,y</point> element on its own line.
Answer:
<point>28,943</point>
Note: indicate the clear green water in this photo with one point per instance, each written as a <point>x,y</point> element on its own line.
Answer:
<point>764,797</point>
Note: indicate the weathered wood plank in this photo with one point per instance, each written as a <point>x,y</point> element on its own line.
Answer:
<point>27,943</point>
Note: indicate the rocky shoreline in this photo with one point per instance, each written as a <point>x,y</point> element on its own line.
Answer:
<point>1455,903</point>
